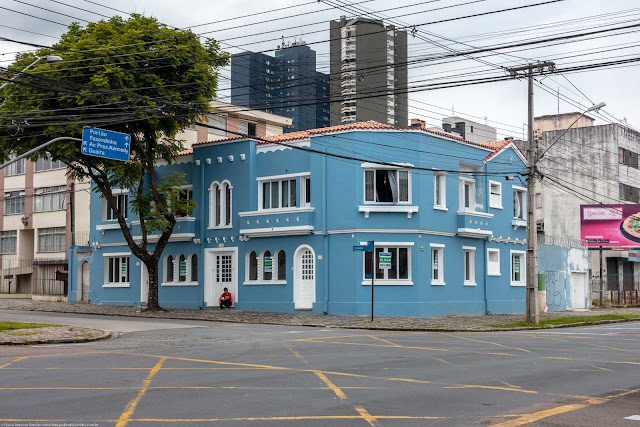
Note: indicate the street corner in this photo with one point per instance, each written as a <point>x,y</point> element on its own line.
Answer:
<point>14,333</point>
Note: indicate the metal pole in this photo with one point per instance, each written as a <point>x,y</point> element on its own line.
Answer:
<point>373,273</point>
<point>532,241</point>
<point>25,69</point>
<point>601,278</point>
<point>38,148</point>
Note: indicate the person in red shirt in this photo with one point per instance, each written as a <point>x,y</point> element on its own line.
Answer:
<point>225,299</point>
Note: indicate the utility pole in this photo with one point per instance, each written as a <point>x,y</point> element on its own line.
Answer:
<point>533,315</point>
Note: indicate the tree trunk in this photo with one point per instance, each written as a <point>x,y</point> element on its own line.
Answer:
<point>152,296</point>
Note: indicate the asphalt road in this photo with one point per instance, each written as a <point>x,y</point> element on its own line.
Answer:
<point>162,372</point>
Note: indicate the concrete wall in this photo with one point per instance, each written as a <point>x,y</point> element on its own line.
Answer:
<point>562,290</point>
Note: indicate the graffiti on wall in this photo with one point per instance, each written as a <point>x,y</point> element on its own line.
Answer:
<point>556,291</point>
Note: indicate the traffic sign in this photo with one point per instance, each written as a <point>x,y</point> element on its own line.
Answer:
<point>106,144</point>
<point>384,261</point>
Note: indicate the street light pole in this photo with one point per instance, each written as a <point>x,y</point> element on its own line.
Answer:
<point>51,59</point>
<point>38,148</point>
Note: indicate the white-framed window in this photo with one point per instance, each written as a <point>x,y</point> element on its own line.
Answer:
<point>116,271</point>
<point>278,194</point>
<point>493,262</point>
<point>193,263</point>
<point>520,203</point>
<point>518,268</point>
<point>437,264</point>
<point>440,190</point>
<point>220,204</point>
<point>400,271</point>
<point>49,198</point>
<point>495,194</point>
<point>8,242</point>
<point>15,168</point>
<point>220,123</point>
<point>53,239</point>
<point>469,268</point>
<point>180,270</point>
<point>47,164</point>
<point>185,194</point>
<point>169,269</point>
<point>280,262</point>
<point>122,202</point>
<point>467,194</point>
<point>387,186</point>
<point>306,190</point>
<point>14,202</point>
<point>251,270</point>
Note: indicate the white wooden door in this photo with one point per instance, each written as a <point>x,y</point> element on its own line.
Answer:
<point>304,286</point>
<point>222,275</point>
<point>85,282</point>
<point>579,291</point>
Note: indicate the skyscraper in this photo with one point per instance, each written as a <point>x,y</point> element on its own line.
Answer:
<point>371,62</point>
<point>287,84</point>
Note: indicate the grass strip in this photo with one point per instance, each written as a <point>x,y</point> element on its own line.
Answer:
<point>10,326</point>
<point>568,320</point>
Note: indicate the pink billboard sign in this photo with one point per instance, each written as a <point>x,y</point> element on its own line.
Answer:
<point>610,225</point>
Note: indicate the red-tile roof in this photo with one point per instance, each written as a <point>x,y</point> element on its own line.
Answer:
<point>186,152</point>
<point>496,146</point>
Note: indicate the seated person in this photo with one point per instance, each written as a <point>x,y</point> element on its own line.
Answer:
<point>225,299</point>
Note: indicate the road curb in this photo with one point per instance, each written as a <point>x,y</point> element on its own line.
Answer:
<point>330,326</point>
<point>105,335</point>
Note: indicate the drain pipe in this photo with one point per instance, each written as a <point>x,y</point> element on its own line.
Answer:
<point>202,260</point>
<point>325,236</point>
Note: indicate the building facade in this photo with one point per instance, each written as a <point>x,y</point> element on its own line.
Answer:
<point>371,60</point>
<point>600,164</point>
<point>43,213</point>
<point>276,222</point>
<point>462,128</point>
<point>287,85</point>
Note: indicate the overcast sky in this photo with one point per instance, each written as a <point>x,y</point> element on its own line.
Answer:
<point>503,103</point>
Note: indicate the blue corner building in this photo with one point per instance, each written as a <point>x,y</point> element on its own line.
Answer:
<point>276,223</point>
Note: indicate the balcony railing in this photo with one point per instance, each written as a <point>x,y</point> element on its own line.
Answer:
<point>277,222</point>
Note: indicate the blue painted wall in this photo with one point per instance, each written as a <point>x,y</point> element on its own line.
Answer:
<point>337,195</point>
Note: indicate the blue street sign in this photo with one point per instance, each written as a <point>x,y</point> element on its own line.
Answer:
<point>106,144</point>
<point>364,248</point>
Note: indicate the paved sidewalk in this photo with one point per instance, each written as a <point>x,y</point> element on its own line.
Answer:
<point>446,323</point>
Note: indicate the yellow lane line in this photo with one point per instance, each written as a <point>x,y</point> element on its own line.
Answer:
<point>621,363</point>
<point>216,362</point>
<point>510,385</point>
<point>298,418</point>
<point>488,387</point>
<point>558,358</point>
<point>185,388</point>
<point>385,341</point>
<point>440,360</point>
<point>382,345</point>
<point>331,385</point>
<point>131,407</point>
<point>295,353</point>
<point>367,416</point>
<point>536,416</point>
<point>17,359</point>
<point>486,342</point>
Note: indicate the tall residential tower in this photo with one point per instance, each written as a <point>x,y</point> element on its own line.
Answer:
<point>368,72</point>
<point>287,85</point>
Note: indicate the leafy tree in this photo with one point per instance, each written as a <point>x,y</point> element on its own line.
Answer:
<point>135,76</point>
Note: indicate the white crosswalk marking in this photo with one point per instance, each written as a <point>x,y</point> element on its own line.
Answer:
<point>633,417</point>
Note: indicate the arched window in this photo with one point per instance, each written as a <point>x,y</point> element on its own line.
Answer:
<point>220,198</point>
<point>168,269</point>
<point>182,268</point>
<point>282,265</point>
<point>194,268</point>
<point>252,266</point>
<point>227,202</point>
<point>267,266</point>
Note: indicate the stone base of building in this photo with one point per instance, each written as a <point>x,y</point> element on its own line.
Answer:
<point>50,298</point>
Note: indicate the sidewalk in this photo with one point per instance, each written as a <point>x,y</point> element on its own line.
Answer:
<point>476,323</point>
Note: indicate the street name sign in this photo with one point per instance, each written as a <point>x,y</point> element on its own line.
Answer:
<point>364,248</point>
<point>106,144</point>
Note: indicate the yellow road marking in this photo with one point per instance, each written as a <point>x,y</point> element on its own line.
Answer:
<point>488,387</point>
<point>331,385</point>
<point>622,363</point>
<point>440,360</point>
<point>510,385</point>
<point>536,416</point>
<point>298,418</point>
<point>382,345</point>
<point>367,416</point>
<point>195,387</point>
<point>595,369</point>
<point>558,358</point>
<point>385,341</point>
<point>295,353</point>
<point>17,359</point>
<point>486,342</point>
<point>126,415</point>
